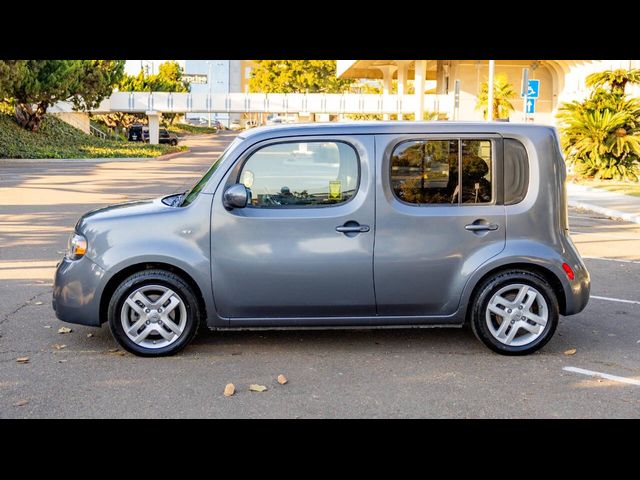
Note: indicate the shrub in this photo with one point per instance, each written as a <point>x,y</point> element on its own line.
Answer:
<point>600,136</point>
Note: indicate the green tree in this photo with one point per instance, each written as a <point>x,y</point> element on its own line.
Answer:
<point>31,86</point>
<point>616,80</point>
<point>600,135</point>
<point>296,76</point>
<point>502,93</point>
<point>168,79</point>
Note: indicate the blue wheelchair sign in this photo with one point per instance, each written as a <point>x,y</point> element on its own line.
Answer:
<point>533,89</point>
<point>531,105</point>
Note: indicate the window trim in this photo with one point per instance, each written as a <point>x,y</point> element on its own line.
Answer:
<point>237,169</point>
<point>497,172</point>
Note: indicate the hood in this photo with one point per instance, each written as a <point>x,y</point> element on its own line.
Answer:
<point>122,210</point>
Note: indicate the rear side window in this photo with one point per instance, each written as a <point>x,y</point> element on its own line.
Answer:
<point>516,171</point>
<point>428,171</point>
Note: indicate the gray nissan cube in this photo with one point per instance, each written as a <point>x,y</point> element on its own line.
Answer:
<point>373,224</point>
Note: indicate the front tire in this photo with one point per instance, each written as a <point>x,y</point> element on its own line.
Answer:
<point>514,312</point>
<point>153,313</point>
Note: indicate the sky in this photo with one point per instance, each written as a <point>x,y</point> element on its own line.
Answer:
<point>132,67</point>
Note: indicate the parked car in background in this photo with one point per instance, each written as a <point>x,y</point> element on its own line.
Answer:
<point>164,136</point>
<point>235,125</point>
<point>140,133</point>
<point>366,224</point>
<point>134,133</point>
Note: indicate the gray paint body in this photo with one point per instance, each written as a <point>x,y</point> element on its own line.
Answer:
<point>290,267</point>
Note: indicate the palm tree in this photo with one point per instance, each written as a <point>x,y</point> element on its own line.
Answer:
<point>602,142</point>
<point>616,79</point>
<point>502,92</point>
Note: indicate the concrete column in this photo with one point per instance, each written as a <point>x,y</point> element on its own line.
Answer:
<point>421,72</point>
<point>403,73</point>
<point>154,127</point>
<point>387,76</point>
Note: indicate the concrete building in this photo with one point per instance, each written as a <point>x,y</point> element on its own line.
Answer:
<point>223,76</point>
<point>560,81</point>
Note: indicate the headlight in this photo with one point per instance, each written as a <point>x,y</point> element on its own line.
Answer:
<point>77,247</point>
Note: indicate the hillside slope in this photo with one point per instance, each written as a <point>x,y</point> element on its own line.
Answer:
<point>57,139</point>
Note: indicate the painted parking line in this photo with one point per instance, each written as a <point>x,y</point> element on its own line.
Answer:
<point>609,299</point>
<point>611,259</point>
<point>591,373</point>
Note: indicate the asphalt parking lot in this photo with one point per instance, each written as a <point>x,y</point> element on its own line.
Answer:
<point>334,373</point>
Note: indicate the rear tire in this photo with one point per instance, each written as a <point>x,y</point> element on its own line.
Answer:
<point>153,313</point>
<point>514,312</point>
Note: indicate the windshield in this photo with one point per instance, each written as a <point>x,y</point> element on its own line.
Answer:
<point>192,194</point>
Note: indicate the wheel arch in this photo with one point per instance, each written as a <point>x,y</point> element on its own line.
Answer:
<point>544,272</point>
<point>118,277</point>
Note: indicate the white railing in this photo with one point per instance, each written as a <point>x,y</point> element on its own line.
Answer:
<point>271,103</point>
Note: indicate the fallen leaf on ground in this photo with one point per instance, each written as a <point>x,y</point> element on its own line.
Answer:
<point>113,350</point>
<point>571,351</point>
<point>229,390</point>
<point>22,359</point>
<point>257,388</point>
<point>37,303</point>
<point>59,347</point>
<point>64,330</point>
<point>21,403</point>
<point>282,379</point>
<point>89,335</point>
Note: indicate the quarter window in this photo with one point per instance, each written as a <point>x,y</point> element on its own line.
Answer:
<point>516,171</point>
<point>301,174</point>
<point>427,171</point>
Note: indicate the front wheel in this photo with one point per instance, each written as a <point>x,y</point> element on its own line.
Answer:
<point>515,312</point>
<point>153,313</point>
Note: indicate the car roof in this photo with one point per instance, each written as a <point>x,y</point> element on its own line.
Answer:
<point>394,127</point>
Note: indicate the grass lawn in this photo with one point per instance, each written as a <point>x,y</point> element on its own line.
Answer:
<point>57,139</point>
<point>626,188</point>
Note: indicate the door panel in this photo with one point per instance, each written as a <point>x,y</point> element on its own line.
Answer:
<point>425,253</point>
<point>285,259</point>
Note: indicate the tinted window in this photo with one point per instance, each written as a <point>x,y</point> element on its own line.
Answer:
<point>516,171</point>
<point>301,174</point>
<point>426,171</point>
<point>476,171</point>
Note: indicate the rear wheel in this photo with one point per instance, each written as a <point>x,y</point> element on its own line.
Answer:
<point>173,143</point>
<point>515,312</point>
<point>153,313</point>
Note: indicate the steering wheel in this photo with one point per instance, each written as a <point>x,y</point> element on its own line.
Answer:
<point>271,200</point>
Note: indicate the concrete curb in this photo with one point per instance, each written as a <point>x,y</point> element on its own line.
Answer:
<point>608,212</point>
<point>167,156</point>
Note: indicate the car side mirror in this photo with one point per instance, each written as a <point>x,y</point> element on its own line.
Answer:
<point>235,196</point>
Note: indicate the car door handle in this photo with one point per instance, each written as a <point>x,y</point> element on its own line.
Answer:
<point>352,228</point>
<point>480,227</point>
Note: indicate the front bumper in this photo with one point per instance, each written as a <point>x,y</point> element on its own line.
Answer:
<point>76,290</point>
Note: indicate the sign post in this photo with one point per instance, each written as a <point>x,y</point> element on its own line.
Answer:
<point>456,100</point>
<point>530,91</point>
<point>523,92</point>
